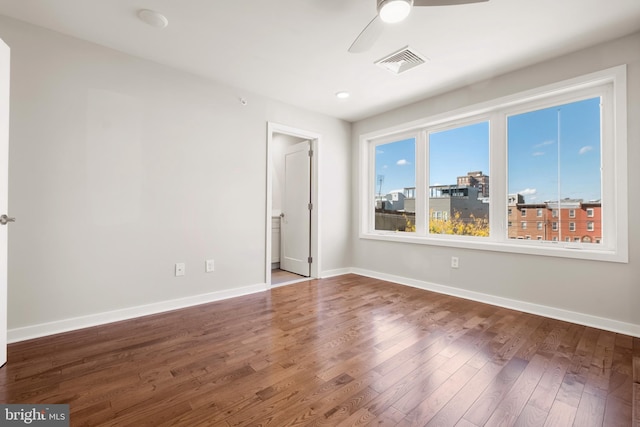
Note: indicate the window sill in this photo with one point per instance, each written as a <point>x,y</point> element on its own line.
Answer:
<point>552,249</point>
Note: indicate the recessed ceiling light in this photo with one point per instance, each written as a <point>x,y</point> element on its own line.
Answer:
<point>342,95</point>
<point>153,18</point>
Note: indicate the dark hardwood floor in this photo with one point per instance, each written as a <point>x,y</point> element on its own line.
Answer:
<point>345,351</point>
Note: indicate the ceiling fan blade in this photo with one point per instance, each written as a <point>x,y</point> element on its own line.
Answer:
<point>444,2</point>
<point>368,36</point>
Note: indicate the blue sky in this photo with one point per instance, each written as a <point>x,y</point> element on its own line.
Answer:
<point>533,151</point>
<point>535,147</point>
<point>395,165</point>
<point>455,152</point>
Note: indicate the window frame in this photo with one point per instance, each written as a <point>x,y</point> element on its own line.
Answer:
<point>609,84</point>
<point>389,139</point>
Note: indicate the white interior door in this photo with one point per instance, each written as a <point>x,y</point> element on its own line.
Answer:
<point>4,192</point>
<point>295,244</point>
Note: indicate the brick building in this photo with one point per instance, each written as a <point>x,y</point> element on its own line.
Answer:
<point>570,220</point>
<point>476,180</point>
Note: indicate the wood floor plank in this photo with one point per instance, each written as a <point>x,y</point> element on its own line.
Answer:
<point>346,350</point>
<point>489,400</point>
<point>509,408</point>
<point>590,411</point>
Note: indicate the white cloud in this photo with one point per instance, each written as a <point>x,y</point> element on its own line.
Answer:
<point>379,152</point>
<point>385,167</point>
<point>402,162</point>
<point>538,153</point>
<point>528,191</point>
<point>585,149</point>
<point>543,144</point>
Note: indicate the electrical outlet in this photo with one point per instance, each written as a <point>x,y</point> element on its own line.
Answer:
<point>208,266</point>
<point>455,262</point>
<point>180,269</point>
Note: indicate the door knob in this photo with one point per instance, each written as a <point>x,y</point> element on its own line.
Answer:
<point>4,219</point>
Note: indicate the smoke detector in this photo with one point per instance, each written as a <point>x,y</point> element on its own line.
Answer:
<point>402,60</point>
<point>153,18</point>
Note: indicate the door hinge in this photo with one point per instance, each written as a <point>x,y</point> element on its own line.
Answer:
<point>310,153</point>
<point>310,206</point>
<point>309,260</point>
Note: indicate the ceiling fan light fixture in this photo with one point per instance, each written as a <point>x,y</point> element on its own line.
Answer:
<point>391,11</point>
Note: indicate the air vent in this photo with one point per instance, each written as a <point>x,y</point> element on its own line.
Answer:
<point>402,60</point>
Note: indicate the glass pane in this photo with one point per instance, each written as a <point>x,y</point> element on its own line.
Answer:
<point>458,185</point>
<point>395,186</point>
<point>554,165</point>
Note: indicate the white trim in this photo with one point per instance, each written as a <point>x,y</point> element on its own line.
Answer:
<point>337,272</point>
<point>537,309</point>
<point>71,324</point>
<point>66,325</point>
<point>316,147</point>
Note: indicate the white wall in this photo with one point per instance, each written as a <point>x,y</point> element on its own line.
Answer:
<point>594,292</point>
<point>120,167</point>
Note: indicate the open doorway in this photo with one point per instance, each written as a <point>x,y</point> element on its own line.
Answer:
<point>292,220</point>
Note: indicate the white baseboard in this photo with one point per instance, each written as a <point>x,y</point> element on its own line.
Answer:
<point>336,272</point>
<point>527,307</point>
<point>66,325</point>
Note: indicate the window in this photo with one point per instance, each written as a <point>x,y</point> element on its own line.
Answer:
<point>560,148</point>
<point>395,171</point>
<point>456,157</point>
<point>560,161</point>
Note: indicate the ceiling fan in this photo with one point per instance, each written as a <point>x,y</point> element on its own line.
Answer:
<point>390,11</point>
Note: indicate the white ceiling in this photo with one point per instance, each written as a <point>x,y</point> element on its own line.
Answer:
<point>295,51</point>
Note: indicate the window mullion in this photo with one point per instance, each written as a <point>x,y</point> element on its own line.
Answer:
<point>422,172</point>
<point>498,194</point>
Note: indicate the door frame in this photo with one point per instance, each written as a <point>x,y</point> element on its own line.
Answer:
<point>314,138</point>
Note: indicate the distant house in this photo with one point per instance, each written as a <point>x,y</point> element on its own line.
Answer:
<point>392,201</point>
<point>567,220</point>
<point>447,200</point>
